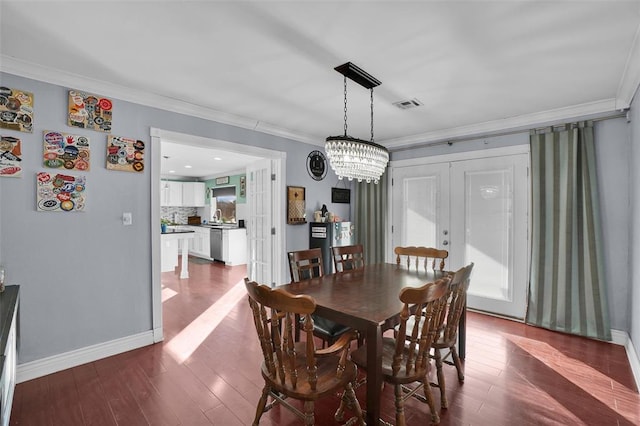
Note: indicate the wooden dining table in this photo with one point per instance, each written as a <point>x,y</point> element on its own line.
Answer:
<point>368,301</point>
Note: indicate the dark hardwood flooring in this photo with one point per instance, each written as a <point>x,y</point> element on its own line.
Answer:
<point>206,372</point>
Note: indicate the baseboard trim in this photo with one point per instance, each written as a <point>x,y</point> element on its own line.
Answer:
<point>634,362</point>
<point>42,367</point>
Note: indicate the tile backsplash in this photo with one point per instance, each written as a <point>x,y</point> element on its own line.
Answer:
<point>177,214</point>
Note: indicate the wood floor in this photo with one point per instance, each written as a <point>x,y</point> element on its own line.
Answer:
<point>206,372</point>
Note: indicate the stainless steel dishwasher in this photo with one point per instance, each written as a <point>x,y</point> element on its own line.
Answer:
<point>216,243</point>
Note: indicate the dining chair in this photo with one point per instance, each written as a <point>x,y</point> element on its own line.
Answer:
<point>421,256</point>
<point>405,357</point>
<point>448,336</point>
<point>348,258</point>
<point>298,370</point>
<point>306,264</point>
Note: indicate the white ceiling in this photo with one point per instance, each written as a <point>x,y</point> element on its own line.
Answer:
<point>476,66</point>
<point>180,160</point>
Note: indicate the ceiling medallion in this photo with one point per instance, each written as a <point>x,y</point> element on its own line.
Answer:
<point>350,157</point>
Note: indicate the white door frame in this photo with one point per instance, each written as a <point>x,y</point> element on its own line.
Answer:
<point>157,135</point>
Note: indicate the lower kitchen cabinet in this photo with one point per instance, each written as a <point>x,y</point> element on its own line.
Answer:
<point>234,246</point>
<point>201,242</point>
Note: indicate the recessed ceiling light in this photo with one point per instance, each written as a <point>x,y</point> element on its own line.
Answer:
<point>172,171</point>
<point>217,158</point>
<point>187,166</point>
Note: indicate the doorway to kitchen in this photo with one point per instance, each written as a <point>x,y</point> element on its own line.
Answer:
<point>270,207</point>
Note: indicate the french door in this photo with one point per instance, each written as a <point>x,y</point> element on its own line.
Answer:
<point>477,209</point>
<point>262,262</point>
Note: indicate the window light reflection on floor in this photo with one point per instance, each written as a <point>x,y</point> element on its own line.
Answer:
<point>582,376</point>
<point>191,337</point>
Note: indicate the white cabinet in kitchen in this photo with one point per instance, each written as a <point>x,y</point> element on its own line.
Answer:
<point>193,194</point>
<point>171,194</point>
<point>234,246</point>
<point>182,194</point>
<point>200,245</point>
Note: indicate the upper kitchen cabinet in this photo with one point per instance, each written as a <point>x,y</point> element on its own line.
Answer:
<point>171,194</point>
<point>182,194</point>
<point>193,194</point>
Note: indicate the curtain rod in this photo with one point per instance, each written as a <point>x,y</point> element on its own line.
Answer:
<point>506,133</point>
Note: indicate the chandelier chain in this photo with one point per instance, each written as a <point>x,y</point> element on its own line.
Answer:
<point>372,114</point>
<point>345,105</point>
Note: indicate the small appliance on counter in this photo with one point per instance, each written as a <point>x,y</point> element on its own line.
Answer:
<point>194,220</point>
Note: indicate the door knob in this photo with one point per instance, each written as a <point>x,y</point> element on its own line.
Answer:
<point>445,242</point>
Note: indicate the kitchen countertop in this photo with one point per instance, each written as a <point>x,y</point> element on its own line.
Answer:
<point>178,231</point>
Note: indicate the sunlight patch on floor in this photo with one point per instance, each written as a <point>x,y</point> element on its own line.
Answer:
<point>191,337</point>
<point>580,374</point>
<point>167,294</point>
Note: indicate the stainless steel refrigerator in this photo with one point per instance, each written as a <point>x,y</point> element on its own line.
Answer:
<point>325,235</point>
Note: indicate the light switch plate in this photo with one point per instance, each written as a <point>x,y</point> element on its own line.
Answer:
<point>127,219</point>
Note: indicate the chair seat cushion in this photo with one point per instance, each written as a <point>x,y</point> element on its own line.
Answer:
<point>328,327</point>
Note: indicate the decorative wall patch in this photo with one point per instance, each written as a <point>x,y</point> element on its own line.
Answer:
<point>296,214</point>
<point>125,154</point>
<point>89,111</point>
<point>60,193</point>
<point>62,150</point>
<point>16,110</point>
<point>10,157</point>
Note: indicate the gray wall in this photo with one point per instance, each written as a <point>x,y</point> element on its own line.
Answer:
<point>85,278</point>
<point>613,150</point>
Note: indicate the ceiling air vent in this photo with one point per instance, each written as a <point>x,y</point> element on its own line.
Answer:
<point>411,103</point>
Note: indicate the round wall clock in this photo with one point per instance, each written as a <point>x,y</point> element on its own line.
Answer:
<point>317,165</point>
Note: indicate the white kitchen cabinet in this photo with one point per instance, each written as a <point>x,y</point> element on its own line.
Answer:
<point>234,246</point>
<point>200,245</point>
<point>182,194</point>
<point>171,193</point>
<point>193,194</point>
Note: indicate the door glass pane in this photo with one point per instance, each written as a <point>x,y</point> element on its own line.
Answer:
<point>488,221</point>
<point>420,198</point>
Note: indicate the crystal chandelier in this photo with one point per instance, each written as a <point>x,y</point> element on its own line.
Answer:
<point>354,158</point>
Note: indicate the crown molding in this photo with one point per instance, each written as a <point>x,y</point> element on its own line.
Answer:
<point>45,74</point>
<point>628,85</point>
<point>523,122</point>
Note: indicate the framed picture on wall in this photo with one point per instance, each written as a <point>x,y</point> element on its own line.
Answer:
<point>222,180</point>
<point>295,205</point>
<point>243,186</point>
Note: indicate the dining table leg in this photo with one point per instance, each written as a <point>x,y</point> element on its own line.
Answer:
<point>374,373</point>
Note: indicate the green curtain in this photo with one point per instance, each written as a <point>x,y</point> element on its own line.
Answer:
<point>567,288</point>
<point>370,218</point>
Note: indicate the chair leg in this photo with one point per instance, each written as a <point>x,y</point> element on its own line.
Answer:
<point>400,421</point>
<point>435,419</point>
<point>309,417</point>
<point>349,400</point>
<point>261,404</point>
<point>441,383</point>
<point>457,363</point>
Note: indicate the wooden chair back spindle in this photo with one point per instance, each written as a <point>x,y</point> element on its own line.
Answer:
<point>421,257</point>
